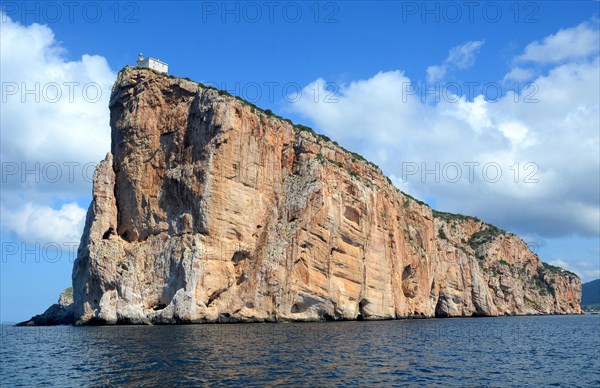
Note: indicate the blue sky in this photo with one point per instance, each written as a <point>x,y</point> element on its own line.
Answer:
<point>399,82</point>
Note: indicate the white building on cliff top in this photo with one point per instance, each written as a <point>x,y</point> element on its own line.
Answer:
<point>152,63</point>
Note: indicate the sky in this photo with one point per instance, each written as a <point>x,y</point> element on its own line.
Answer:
<point>489,109</point>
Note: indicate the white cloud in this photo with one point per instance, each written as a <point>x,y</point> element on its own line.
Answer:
<point>547,151</point>
<point>460,57</point>
<point>34,223</point>
<point>474,113</point>
<point>567,44</point>
<point>463,56</point>
<point>61,106</point>
<point>515,131</point>
<point>53,122</point>
<point>436,73</point>
<point>519,74</point>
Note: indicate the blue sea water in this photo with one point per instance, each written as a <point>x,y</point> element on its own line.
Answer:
<point>498,352</point>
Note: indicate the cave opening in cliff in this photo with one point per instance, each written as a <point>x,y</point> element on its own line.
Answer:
<point>108,233</point>
<point>362,314</point>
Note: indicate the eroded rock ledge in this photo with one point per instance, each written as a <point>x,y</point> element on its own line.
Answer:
<point>209,209</point>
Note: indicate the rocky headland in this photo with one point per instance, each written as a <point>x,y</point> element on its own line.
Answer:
<point>209,209</point>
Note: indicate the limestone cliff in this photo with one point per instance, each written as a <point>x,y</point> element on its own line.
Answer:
<point>209,209</point>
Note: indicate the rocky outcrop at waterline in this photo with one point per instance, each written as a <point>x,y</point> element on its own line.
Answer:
<point>208,209</point>
<point>60,313</point>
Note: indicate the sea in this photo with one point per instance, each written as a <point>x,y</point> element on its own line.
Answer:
<point>467,352</point>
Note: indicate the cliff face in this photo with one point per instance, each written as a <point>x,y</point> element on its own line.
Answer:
<point>209,209</point>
